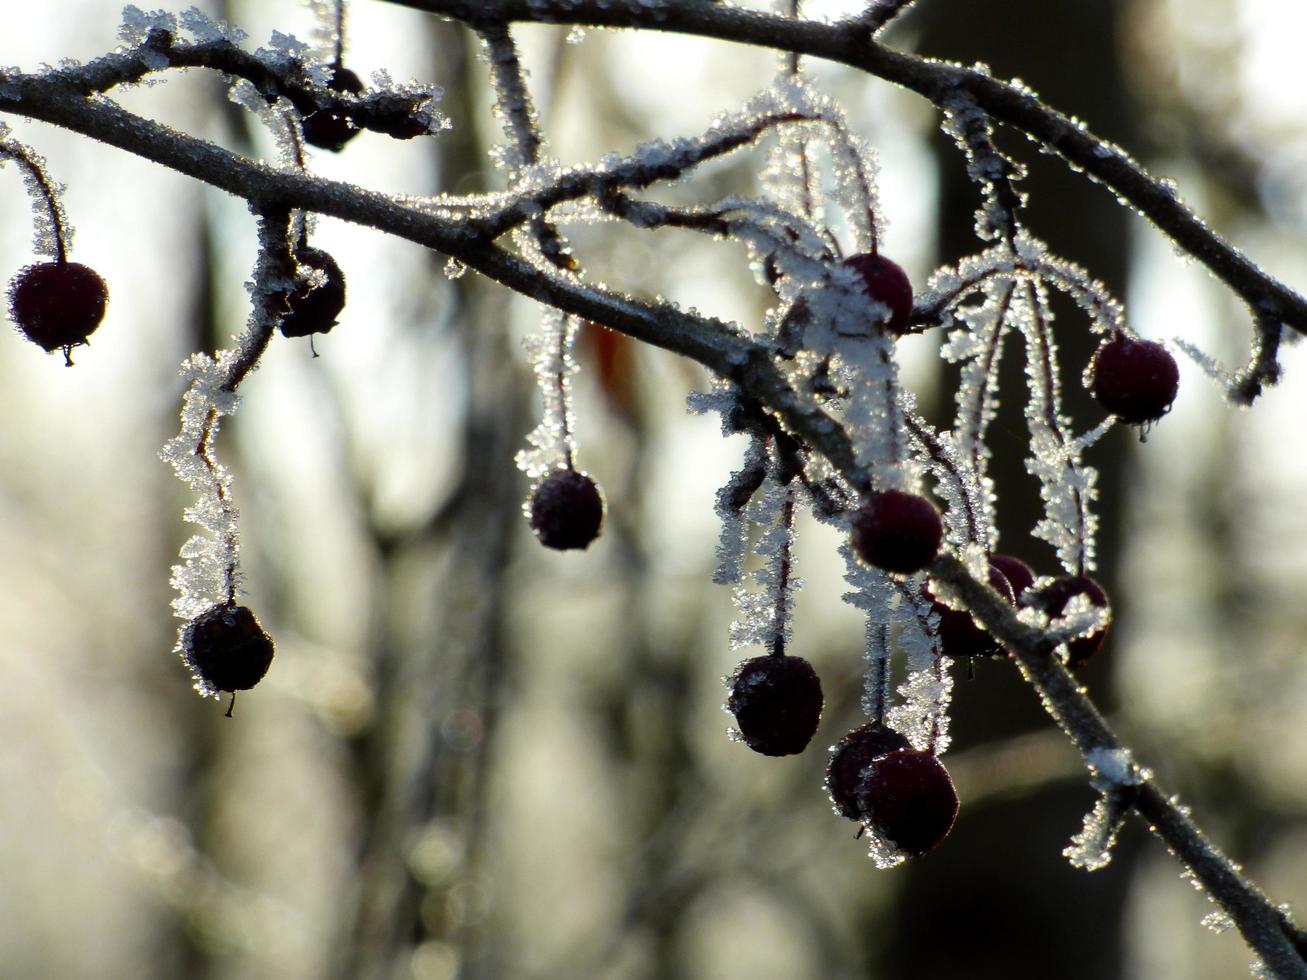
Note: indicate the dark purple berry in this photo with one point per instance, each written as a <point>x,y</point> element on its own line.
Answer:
<point>566,510</point>
<point>961,636</point>
<point>897,531</point>
<point>57,304</point>
<point>854,753</point>
<point>776,702</point>
<point>1135,380</point>
<point>1019,575</point>
<point>1054,597</point>
<point>327,128</point>
<point>227,648</point>
<point>885,282</point>
<point>907,798</point>
<point>317,299</point>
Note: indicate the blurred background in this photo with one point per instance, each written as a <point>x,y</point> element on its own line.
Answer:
<point>476,759</point>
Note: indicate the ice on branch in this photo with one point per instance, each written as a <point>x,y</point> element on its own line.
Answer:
<point>731,506</point>
<point>51,233</point>
<point>922,712</point>
<point>209,572</point>
<point>203,29</point>
<point>967,495</point>
<point>1116,777</point>
<point>551,352</point>
<point>765,612</point>
<point>137,24</point>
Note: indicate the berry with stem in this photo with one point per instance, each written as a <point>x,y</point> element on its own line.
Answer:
<point>226,649</point>
<point>566,510</point>
<point>906,798</point>
<point>1135,380</point>
<point>57,305</point>
<point>777,703</point>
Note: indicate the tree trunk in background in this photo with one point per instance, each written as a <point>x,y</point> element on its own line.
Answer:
<point>1001,901</point>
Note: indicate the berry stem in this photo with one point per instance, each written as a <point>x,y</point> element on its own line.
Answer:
<point>878,672</point>
<point>44,193</point>
<point>338,35</point>
<point>781,607</point>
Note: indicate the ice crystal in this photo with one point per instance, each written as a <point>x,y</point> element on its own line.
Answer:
<point>49,221</point>
<point>1091,848</point>
<point>203,29</point>
<point>137,24</point>
<point>550,350</point>
<point>765,612</point>
<point>732,502</point>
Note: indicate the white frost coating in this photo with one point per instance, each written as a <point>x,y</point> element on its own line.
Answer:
<point>280,118</point>
<point>284,50</point>
<point>765,613</point>
<point>1113,768</point>
<point>137,24</point>
<point>968,497</point>
<point>883,853</point>
<point>203,29</point>
<point>45,238</point>
<point>550,350</point>
<point>1091,848</point>
<point>209,572</point>
<point>922,713</point>
<point>733,541</point>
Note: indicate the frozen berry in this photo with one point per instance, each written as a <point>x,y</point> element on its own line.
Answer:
<point>317,299</point>
<point>566,510</point>
<point>1019,575</point>
<point>897,531</point>
<point>1135,380</point>
<point>959,634</point>
<point>1054,597</point>
<point>852,755</point>
<point>885,282</point>
<point>907,798</point>
<point>227,648</point>
<point>776,702</point>
<point>57,304</point>
<point>327,128</point>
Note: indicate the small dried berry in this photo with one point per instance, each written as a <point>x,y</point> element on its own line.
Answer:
<point>227,648</point>
<point>959,634</point>
<point>327,128</point>
<point>57,305</point>
<point>897,531</point>
<point>1135,380</point>
<point>777,703</point>
<point>317,299</point>
<point>1053,599</point>
<point>1019,575</point>
<point>885,282</point>
<point>566,510</point>
<point>854,753</point>
<point>907,798</point>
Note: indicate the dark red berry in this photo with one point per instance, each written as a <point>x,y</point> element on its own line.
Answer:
<point>1135,380</point>
<point>897,531</point>
<point>327,128</point>
<point>1019,575</point>
<point>776,702</point>
<point>227,648</point>
<point>1054,597</point>
<point>885,282</point>
<point>961,636</point>
<point>57,304</point>
<point>852,755</point>
<point>907,798</point>
<point>317,299</point>
<point>566,510</point>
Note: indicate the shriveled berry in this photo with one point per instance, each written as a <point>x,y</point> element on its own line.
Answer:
<point>854,753</point>
<point>1019,575</point>
<point>566,510</point>
<point>57,305</point>
<point>1053,599</point>
<point>959,634</point>
<point>317,299</point>
<point>897,531</point>
<point>327,128</point>
<point>776,702</point>
<point>1135,380</point>
<point>907,798</point>
<point>227,648</point>
<point>885,282</point>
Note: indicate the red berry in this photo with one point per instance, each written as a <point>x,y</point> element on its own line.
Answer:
<point>57,304</point>
<point>314,306</point>
<point>897,531</point>
<point>326,128</point>
<point>907,798</point>
<point>1135,380</point>
<point>227,648</point>
<point>885,282</point>
<point>566,510</point>
<point>852,755</point>
<point>777,703</point>
<point>1053,598</point>
<point>1019,575</point>
<point>961,636</point>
